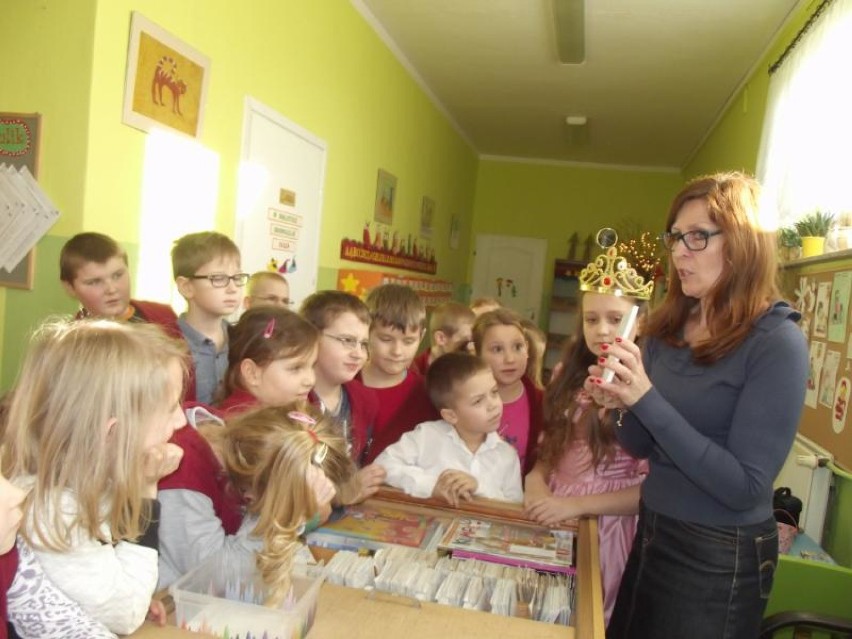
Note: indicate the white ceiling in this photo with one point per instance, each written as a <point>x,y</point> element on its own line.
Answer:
<point>657,74</point>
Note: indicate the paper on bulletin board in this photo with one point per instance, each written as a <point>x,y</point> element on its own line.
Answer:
<point>821,313</point>
<point>841,404</point>
<point>829,378</point>
<point>839,308</point>
<point>815,361</point>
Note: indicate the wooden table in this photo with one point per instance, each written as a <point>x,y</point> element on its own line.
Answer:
<point>357,614</point>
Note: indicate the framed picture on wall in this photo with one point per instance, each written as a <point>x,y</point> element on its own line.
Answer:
<point>166,81</point>
<point>20,134</point>
<point>427,215</point>
<point>385,196</point>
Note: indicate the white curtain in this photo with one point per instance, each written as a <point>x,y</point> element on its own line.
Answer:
<point>805,159</point>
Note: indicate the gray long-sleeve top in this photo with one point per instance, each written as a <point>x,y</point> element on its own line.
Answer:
<point>716,436</point>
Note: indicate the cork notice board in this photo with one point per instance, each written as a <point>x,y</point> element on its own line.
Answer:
<point>822,291</point>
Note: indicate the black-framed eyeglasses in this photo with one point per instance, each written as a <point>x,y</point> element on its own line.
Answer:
<point>274,300</point>
<point>220,280</point>
<point>350,343</point>
<point>693,240</point>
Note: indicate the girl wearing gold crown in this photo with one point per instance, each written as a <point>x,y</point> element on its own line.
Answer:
<point>712,402</point>
<point>581,469</point>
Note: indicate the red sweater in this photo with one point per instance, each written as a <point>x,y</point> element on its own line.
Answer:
<point>201,472</point>
<point>237,402</point>
<point>421,362</point>
<point>153,313</point>
<point>8,568</point>
<point>363,409</point>
<point>401,408</point>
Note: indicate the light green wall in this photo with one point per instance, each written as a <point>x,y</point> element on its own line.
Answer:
<point>47,46</point>
<point>317,63</point>
<point>735,141</point>
<point>329,73</point>
<point>554,201</point>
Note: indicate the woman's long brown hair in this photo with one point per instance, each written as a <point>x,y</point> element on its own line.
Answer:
<point>747,284</point>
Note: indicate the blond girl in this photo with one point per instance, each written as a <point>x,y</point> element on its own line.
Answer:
<point>280,465</point>
<point>93,409</point>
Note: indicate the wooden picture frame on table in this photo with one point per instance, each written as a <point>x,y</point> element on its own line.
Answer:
<point>166,81</point>
<point>20,136</point>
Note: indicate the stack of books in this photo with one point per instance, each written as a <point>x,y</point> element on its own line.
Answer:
<point>370,527</point>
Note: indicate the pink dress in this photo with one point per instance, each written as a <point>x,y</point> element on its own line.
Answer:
<point>575,476</point>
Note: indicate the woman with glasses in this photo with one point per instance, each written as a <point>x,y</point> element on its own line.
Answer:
<point>712,402</point>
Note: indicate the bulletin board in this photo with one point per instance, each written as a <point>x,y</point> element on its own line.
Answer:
<point>821,289</point>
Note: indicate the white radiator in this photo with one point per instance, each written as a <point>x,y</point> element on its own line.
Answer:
<point>809,479</point>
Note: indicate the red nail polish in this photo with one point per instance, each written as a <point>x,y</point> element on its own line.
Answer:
<point>598,381</point>
<point>618,340</point>
<point>601,360</point>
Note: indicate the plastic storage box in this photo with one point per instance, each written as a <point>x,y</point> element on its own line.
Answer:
<point>224,597</point>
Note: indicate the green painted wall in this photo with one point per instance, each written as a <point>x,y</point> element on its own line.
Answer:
<point>735,141</point>
<point>318,63</point>
<point>554,201</point>
<point>48,49</point>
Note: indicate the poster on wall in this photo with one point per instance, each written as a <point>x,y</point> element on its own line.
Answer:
<point>839,308</point>
<point>20,134</point>
<point>815,361</point>
<point>280,199</point>
<point>385,197</point>
<point>359,282</point>
<point>821,313</point>
<point>166,80</point>
<point>427,215</point>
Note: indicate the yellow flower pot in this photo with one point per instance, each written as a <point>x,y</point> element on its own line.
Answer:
<point>812,246</point>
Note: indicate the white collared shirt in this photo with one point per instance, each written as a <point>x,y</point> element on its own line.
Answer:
<point>420,456</point>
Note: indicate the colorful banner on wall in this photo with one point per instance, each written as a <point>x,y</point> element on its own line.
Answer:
<point>358,282</point>
<point>384,251</point>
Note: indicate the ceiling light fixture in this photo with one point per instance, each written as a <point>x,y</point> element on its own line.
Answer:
<point>577,130</point>
<point>569,18</point>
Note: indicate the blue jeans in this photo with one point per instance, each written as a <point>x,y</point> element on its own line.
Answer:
<point>692,580</point>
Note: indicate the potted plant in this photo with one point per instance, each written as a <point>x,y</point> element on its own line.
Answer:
<point>812,229</point>
<point>790,243</point>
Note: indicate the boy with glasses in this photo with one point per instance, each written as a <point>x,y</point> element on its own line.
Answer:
<point>344,324</point>
<point>267,288</point>
<point>207,273</point>
<point>94,270</point>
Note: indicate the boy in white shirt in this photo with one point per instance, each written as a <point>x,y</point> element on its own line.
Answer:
<point>461,455</point>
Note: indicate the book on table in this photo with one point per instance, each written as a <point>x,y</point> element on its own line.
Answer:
<point>511,544</point>
<point>373,527</point>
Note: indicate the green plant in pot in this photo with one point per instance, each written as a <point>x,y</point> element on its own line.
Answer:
<point>790,243</point>
<point>812,229</point>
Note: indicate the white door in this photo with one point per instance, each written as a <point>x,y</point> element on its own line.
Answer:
<point>279,204</point>
<point>510,269</point>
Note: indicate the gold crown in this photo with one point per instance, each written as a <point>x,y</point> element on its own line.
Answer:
<point>612,274</point>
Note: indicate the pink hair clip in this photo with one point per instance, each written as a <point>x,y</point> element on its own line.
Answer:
<point>302,418</point>
<point>270,329</point>
<point>320,453</point>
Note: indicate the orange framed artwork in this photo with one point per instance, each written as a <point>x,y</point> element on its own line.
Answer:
<point>166,82</point>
